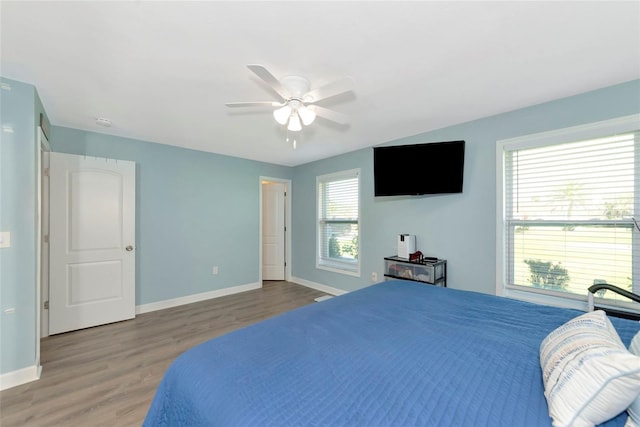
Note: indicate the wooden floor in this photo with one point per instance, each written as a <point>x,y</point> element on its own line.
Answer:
<point>107,375</point>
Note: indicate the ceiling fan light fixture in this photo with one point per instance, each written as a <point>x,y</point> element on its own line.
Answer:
<point>293,110</point>
<point>307,115</point>
<point>294,123</point>
<point>282,114</point>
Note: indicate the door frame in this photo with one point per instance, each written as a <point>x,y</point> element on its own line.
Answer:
<point>42,253</point>
<point>287,224</point>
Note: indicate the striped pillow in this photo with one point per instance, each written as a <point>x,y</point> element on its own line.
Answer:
<point>589,376</point>
<point>634,409</point>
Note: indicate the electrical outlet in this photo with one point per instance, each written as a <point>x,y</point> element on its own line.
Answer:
<point>214,270</point>
<point>374,277</point>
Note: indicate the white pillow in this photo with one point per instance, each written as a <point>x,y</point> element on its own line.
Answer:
<point>634,408</point>
<point>589,376</point>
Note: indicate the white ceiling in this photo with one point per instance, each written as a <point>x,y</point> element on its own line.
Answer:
<point>162,71</point>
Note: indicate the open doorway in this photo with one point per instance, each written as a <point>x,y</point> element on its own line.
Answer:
<point>275,223</point>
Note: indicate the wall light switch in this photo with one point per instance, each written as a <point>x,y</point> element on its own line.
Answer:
<point>5,239</point>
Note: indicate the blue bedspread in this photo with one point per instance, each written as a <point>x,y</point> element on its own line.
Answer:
<point>394,354</point>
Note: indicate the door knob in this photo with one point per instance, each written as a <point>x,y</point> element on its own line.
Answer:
<point>129,248</point>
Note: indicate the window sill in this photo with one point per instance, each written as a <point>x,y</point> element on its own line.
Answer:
<point>538,296</point>
<point>337,269</point>
<point>573,301</point>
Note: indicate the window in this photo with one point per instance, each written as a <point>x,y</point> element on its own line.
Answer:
<point>339,222</point>
<point>568,201</point>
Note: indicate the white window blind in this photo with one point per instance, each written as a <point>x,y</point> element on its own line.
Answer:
<point>338,222</point>
<point>569,214</point>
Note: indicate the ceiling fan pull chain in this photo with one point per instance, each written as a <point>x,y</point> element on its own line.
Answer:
<point>294,140</point>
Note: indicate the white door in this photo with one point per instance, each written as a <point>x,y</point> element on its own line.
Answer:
<point>273,208</point>
<point>92,231</point>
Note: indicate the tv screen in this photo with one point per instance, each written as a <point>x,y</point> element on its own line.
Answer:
<point>430,168</point>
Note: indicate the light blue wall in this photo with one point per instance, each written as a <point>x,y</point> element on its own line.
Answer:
<point>20,110</point>
<point>458,227</point>
<point>194,210</point>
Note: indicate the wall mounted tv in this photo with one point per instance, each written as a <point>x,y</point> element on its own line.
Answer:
<point>407,170</point>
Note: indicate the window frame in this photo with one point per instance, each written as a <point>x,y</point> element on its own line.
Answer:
<point>321,262</point>
<point>605,128</point>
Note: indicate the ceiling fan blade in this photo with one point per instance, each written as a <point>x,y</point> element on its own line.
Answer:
<point>254,104</point>
<point>269,79</point>
<point>328,114</point>
<point>332,89</point>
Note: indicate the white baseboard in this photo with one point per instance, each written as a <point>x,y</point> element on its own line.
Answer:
<point>160,305</point>
<point>318,286</point>
<point>19,377</point>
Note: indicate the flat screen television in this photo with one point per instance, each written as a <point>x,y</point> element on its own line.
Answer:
<point>407,170</point>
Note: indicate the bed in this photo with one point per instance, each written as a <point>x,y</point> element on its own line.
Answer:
<point>397,353</point>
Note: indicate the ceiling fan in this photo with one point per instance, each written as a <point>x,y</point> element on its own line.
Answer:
<point>298,105</point>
